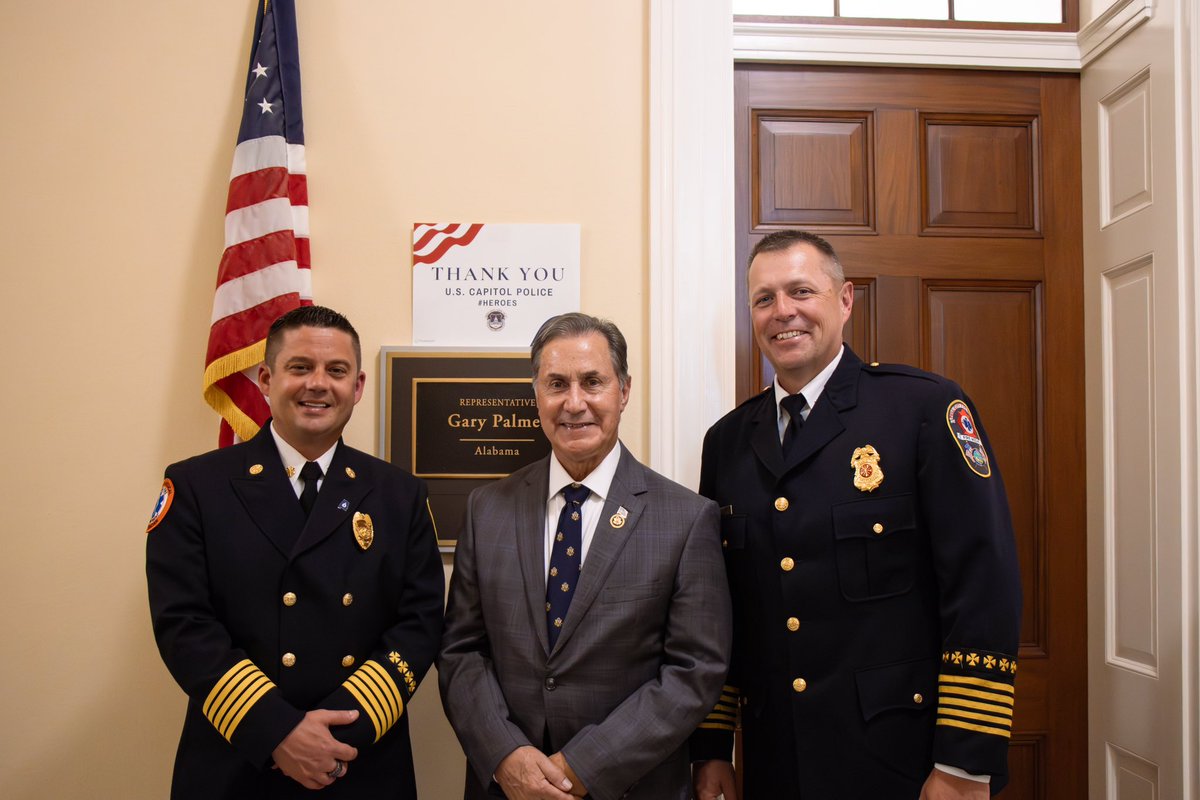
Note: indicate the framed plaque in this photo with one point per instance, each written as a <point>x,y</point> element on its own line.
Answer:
<point>457,419</point>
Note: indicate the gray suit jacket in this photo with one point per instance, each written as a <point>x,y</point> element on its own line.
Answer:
<point>642,654</point>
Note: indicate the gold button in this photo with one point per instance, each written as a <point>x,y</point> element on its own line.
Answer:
<point>799,684</point>
<point>289,659</point>
<point>724,543</point>
<point>289,599</point>
<point>781,504</point>
<point>874,363</point>
<point>918,699</point>
<point>787,564</point>
<point>877,527</point>
<point>347,599</point>
<point>348,661</point>
<point>793,624</point>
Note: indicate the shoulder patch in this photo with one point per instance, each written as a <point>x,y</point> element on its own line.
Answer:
<point>966,436</point>
<point>165,496</point>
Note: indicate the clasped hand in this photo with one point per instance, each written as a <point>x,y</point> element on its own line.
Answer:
<point>310,752</point>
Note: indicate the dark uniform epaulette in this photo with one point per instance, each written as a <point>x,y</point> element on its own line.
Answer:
<point>877,368</point>
<point>768,389</point>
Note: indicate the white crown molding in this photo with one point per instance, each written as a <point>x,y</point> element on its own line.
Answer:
<point>1117,22</point>
<point>917,47</point>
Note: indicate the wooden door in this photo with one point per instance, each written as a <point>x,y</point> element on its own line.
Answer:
<point>953,200</point>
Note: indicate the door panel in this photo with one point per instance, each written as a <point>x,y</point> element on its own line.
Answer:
<point>953,200</point>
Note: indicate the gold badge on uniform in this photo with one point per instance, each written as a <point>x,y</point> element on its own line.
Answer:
<point>867,472</point>
<point>364,531</point>
<point>256,469</point>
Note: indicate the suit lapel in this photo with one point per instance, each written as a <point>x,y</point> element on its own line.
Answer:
<point>530,531</point>
<point>265,491</point>
<point>607,543</point>
<point>340,496</point>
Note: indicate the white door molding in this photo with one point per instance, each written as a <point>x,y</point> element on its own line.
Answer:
<point>691,229</point>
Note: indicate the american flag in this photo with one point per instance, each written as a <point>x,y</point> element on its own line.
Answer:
<point>265,270</point>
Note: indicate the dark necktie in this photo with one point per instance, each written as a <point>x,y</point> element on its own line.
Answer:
<point>793,404</point>
<point>566,559</point>
<point>310,473</point>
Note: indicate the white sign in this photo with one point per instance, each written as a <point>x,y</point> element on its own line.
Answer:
<point>491,285</point>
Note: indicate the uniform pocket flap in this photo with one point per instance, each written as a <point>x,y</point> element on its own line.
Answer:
<point>907,685</point>
<point>874,517</point>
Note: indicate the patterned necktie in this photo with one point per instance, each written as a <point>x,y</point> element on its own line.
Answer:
<point>566,559</point>
<point>310,473</point>
<point>793,404</point>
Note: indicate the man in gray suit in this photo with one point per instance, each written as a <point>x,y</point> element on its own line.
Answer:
<point>588,628</point>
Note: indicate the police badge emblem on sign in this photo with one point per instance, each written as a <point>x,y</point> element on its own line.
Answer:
<point>966,436</point>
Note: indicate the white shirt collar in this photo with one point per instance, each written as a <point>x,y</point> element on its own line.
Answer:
<point>291,457</point>
<point>811,391</point>
<point>598,480</point>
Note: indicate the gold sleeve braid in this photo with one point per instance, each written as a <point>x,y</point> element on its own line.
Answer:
<point>234,694</point>
<point>723,717</point>
<point>975,704</point>
<point>378,695</point>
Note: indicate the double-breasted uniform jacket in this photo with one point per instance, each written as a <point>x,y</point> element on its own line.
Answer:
<point>642,653</point>
<point>875,621</point>
<point>261,615</point>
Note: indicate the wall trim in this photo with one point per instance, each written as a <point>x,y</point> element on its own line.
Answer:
<point>916,47</point>
<point>691,230</point>
<point>1118,21</point>
<point>1187,80</point>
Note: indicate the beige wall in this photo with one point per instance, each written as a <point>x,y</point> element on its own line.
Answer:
<point>118,124</point>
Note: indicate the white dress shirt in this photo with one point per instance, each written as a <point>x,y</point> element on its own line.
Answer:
<point>293,462</point>
<point>811,391</point>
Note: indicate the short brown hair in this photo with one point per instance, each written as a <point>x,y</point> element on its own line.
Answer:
<point>787,239</point>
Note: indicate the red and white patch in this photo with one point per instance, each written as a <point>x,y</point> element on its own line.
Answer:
<point>966,436</point>
<point>163,505</point>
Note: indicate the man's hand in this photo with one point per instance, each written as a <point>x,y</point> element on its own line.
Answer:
<point>527,774</point>
<point>944,786</point>
<point>309,753</point>
<point>711,779</point>
<point>577,787</point>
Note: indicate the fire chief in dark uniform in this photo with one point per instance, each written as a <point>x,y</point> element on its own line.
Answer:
<point>871,563</point>
<point>296,590</point>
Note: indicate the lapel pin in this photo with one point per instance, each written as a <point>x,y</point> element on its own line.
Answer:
<point>617,520</point>
<point>255,469</point>
<point>364,531</point>
<point>350,473</point>
<point>342,506</point>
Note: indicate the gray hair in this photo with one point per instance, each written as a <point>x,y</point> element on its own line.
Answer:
<point>575,324</point>
<point>787,239</point>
